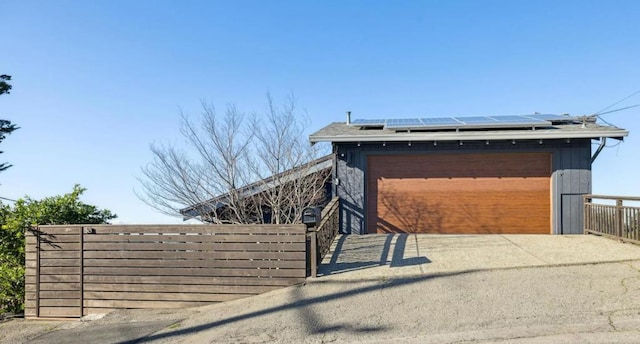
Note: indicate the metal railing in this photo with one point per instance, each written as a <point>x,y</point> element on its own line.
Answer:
<point>323,235</point>
<point>619,221</point>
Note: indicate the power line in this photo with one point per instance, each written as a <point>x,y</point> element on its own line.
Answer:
<point>620,109</point>
<point>616,103</point>
<point>8,199</point>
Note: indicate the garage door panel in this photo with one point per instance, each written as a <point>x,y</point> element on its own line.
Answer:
<point>457,165</point>
<point>414,215</point>
<point>433,185</point>
<point>426,204</point>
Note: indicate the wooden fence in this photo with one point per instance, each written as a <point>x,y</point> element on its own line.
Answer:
<point>322,236</point>
<point>619,221</point>
<point>77,270</point>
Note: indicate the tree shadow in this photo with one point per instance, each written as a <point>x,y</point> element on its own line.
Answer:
<point>310,318</point>
<point>314,323</point>
<point>401,213</point>
<point>43,237</point>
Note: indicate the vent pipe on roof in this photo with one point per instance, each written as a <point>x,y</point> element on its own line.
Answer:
<point>348,117</point>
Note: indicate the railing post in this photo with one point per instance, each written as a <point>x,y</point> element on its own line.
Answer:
<point>586,216</point>
<point>313,253</point>
<point>619,218</point>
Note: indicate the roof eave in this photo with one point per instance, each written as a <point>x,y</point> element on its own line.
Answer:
<point>471,136</point>
<point>317,165</point>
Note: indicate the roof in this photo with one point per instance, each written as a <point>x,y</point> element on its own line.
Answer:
<point>320,164</point>
<point>582,128</point>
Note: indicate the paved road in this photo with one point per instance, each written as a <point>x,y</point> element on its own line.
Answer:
<point>436,289</point>
<point>443,289</point>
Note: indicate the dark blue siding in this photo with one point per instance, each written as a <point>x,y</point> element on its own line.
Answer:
<point>571,174</point>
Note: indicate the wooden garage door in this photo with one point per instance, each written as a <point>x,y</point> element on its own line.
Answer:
<point>459,193</point>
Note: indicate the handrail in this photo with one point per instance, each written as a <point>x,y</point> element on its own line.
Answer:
<point>624,198</point>
<point>323,235</point>
<point>618,221</point>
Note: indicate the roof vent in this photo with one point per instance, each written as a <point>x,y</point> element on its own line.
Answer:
<point>348,117</point>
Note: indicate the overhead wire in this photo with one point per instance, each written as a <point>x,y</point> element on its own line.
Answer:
<point>620,109</point>
<point>616,103</point>
<point>602,112</point>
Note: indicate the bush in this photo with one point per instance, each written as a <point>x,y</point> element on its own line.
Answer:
<point>11,286</point>
<point>26,214</point>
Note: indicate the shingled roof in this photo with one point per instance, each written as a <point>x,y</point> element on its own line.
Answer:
<point>579,129</point>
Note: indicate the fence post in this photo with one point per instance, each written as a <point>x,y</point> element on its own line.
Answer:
<point>619,218</point>
<point>82,231</point>
<point>38,272</point>
<point>586,216</point>
<point>313,253</point>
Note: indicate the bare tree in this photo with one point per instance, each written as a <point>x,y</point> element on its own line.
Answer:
<point>238,168</point>
<point>284,164</point>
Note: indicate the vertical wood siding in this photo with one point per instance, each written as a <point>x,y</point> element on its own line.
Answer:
<point>570,178</point>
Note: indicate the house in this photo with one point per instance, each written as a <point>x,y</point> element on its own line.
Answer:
<point>316,183</point>
<point>463,175</point>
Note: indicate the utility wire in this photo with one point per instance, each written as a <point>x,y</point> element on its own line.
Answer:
<point>620,109</point>
<point>8,199</point>
<point>616,103</point>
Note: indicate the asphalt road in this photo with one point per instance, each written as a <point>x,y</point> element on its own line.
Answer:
<point>576,304</point>
<point>444,289</point>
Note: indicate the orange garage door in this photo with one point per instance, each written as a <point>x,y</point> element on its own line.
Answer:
<point>459,193</point>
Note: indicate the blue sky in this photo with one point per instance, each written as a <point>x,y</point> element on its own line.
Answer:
<point>96,82</point>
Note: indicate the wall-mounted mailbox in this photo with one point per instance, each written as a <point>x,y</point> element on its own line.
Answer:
<point>311,216</point>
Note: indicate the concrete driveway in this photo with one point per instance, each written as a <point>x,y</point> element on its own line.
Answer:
<point>418,254</point>
<point>436,289</point>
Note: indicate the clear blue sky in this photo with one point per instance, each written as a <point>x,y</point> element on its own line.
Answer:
<point>95,82</point>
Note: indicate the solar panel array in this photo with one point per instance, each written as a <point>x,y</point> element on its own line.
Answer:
<point>471,122</point>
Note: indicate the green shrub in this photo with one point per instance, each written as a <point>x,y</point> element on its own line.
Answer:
<point>11,286</point>
<point>26,214</point>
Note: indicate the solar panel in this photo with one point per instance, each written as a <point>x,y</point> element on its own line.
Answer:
<point>403,123</point>
<point>368,122</point>
<point>517,119</point>
<point>476,119</point>
<point>468,122</point>
<point>439,121</point>
<point>553,118</point>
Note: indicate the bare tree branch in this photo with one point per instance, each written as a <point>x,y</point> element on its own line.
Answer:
<point>237,170</point>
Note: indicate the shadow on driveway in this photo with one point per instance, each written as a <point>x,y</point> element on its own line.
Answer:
<point>313,325</point>
<point>372,251</point>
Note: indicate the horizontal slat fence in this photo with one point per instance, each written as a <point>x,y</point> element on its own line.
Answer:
<point>53,272</point>
<point>619,221</point>
<point>79,270</point>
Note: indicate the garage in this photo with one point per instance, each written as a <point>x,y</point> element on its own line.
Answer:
<point>465,174</point>
<point>459,193</point>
